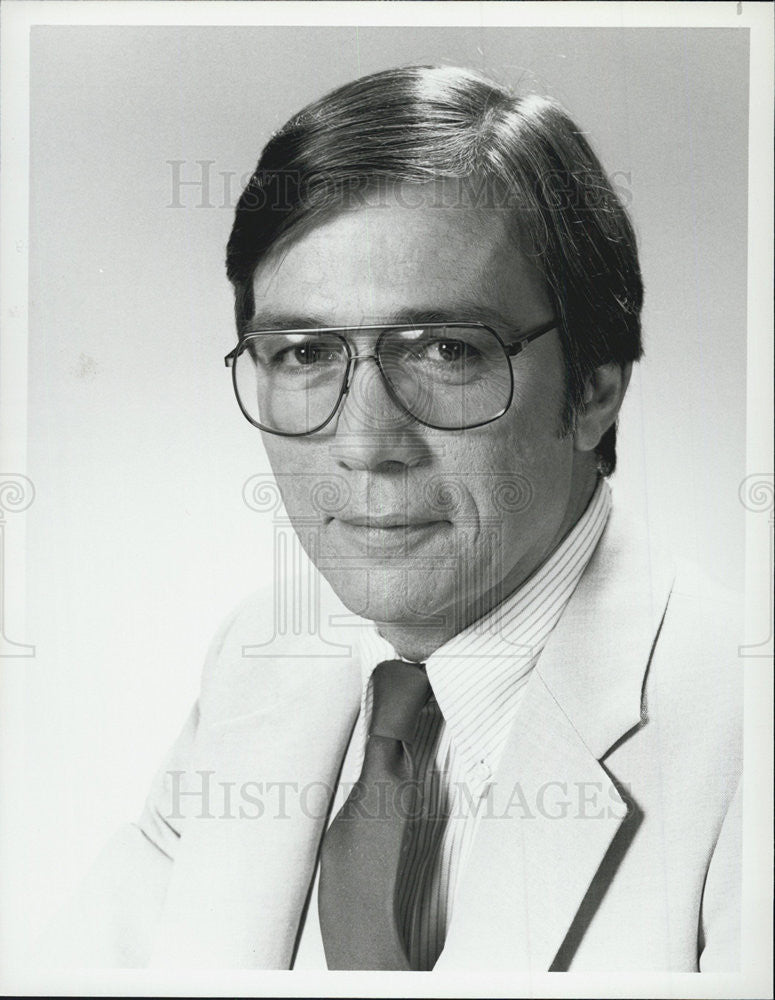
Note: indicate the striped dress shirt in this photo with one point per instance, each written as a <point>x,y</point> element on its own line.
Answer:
<point>477,678</point>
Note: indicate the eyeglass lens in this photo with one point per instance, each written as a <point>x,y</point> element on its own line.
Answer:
<point>447,377</point>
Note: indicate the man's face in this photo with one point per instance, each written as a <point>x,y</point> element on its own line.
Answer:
<point>414,526</point>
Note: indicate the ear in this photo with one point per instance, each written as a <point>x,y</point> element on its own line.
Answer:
<point>603,395</point>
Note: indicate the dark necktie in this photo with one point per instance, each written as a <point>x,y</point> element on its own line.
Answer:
<point>360,860</point>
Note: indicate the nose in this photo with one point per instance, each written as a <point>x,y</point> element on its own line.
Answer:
<point>372,431</point>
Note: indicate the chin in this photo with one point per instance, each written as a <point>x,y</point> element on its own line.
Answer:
<point>398,595</point>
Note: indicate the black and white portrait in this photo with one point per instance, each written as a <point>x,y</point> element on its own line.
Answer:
<point>387,498</point>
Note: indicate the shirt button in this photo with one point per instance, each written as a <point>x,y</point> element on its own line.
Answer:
<point>482,771</point>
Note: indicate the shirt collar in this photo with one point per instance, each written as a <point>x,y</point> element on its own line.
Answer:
<point>478,675</point>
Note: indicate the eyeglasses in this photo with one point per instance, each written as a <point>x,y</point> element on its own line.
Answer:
<point>448,376</point>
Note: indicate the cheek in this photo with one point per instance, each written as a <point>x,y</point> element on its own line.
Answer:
<point>519,480</point>
<point>523,444</point>
<point>531,438</point>
<point>298,473</point>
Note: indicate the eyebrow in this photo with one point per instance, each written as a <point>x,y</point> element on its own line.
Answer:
<point>462,312</point>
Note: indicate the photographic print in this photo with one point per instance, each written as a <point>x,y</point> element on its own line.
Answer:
<point>387,498</point>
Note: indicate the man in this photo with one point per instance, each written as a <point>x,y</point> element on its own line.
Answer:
<point>502,734</point>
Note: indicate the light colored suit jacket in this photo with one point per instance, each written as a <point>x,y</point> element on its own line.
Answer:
<point>611,837</point>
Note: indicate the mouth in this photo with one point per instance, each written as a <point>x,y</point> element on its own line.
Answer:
<point>388,522</point>
<point>387,532</point>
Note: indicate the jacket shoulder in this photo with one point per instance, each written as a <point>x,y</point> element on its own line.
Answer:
<point>271,637</point>
<point>701,632</point>
<point>694,686</point>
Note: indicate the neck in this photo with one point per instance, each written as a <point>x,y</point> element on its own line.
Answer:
<point>416,643</point>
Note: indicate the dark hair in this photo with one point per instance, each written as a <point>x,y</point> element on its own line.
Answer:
<point>423,123</point>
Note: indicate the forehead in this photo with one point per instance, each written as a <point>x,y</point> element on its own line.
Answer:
<point>407,252</point>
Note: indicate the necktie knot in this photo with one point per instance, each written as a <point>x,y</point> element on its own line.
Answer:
<point>399,690</point>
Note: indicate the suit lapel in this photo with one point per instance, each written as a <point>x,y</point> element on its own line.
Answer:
<point>552,812</point>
